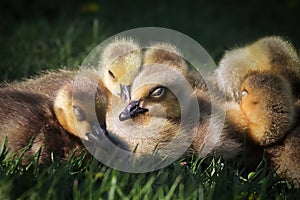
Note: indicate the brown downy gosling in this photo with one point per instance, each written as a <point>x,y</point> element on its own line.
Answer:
<point>268,54</point>
<point>268,104</point>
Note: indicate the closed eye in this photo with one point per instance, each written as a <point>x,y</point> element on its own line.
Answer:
<point>79,113</point>
<point>111,74</point>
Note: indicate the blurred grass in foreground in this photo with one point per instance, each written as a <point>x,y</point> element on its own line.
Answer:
<point>75,180</point>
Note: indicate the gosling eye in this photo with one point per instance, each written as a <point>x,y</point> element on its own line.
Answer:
<point>111,74</point>
<point>244,93</point>
<point>79,113</point>
<point>158,92</point>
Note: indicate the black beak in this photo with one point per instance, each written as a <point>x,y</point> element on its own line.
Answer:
<point>98,133</point>
<point>125,92</point>
<point>132,110</point>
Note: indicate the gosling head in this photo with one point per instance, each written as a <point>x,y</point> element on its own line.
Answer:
<point>267,102</point>
<point>160,92</point>
<point>79,107</point>
<point>161,115</point>
<point>121,60</point>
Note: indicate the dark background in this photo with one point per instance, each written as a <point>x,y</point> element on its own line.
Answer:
<point>40,35</point>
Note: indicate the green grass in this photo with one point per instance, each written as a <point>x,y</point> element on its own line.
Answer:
<point>196,180</point>
<point>41,36</point>
<point>37,46</point>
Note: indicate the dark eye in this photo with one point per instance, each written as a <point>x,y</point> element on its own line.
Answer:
<point>244,93</point>
<point>111,74</point>
<point>79,114</point>
<point>158,92</point>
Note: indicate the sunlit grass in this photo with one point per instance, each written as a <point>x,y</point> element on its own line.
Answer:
<point>197,179</point>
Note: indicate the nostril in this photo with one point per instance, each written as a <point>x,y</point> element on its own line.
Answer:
<point>96,129</point>
<point>132,110</point>
<point>134,104</point>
